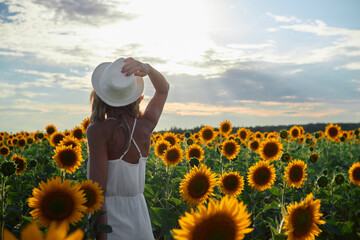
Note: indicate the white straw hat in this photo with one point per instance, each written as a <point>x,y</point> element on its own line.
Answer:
<point>113,87</point>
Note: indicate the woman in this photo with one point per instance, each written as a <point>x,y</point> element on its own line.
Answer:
<point>119,140</point>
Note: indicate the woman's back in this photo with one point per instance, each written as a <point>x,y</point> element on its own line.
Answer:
<point>125,186</point>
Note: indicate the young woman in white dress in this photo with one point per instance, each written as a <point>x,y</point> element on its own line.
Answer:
<point>119,140</point>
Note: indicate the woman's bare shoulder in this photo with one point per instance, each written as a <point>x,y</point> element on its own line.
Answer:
<point>96,130</point>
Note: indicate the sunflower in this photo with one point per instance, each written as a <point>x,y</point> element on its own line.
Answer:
<point>254,145</point>
<point>319,134</point>
<point>339,179</point>
<point>206,134</point>
<point>56,138</point>
<point>314,157</point>
<point>303,218</point>
<point>272,135</point>
<point>196,151</point>
<point>57,230</point>
<point>230,149</point>
<point>227,219</point>
<point>286,157</point>
<point>345,135</point>
<point>198,185</point>
<point>50,129</point>
<point>77,132</point>
<point>171,138</point>
<point>68,158</point>
<point>258,135</point>
<point>21,142</point>
<point>295,173</point>
<point>20,163</point>
<point>295,132</point>
<point>270,150</point>
<point>173,155</point>
<point>243,134</point>
<point>70,141</point>
<point>4,151</point>
<point>232,183</point>
<point>38,135</point>
<point>93,194</point>
<point>85,124</point>
<point>261,175</point>
<point>354,173</point>
<point>14,141</point>
<point>284,134</point>
<point>225,127</point>
<point>57,201</point>
<point>332,131</point>
<point>160,147</point>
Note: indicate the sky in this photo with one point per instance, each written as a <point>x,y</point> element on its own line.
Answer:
<point>253,63</point>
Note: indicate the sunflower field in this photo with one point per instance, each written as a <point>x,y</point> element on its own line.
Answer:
<point>215,183</point>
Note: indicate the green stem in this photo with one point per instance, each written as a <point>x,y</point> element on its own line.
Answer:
<point>2,210</point>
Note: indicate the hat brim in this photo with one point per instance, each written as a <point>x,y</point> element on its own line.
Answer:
<point>95,80</point>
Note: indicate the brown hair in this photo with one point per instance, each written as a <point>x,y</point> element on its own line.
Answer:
<point>99,109</point>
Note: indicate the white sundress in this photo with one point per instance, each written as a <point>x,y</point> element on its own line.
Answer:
<point>127,211</point>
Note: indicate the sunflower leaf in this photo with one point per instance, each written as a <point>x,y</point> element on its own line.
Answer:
<point>103,228</point>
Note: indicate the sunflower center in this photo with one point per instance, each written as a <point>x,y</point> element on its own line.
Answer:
<point>229,148</point>
<point>333,132</point>
<point>231,182</point>
<point>254,145</point>
<point>198,186</point>
<point>302,220</point>
<point>217,227</point>
<point>57,139</point>
<point>356,174</point>
<point>194,152</point>
<point>50,130</point>
<point>243,135</point>
<point>57,205</point>
<point>171,140</point>
<point>70,143</point>
<point>4,151</point>
<point>172,155</point>
<point>207,134</point>
<point>20,164</point>
<point>296,173</point>
<point>90,197</point>
<point>225,128</point>
<point>21,143</point>
<point>262,176</point>
<point>295,133</point>
<point>78,133</point>
<point>68,157</point>
<point>271,149</point>
<point>162,148</point>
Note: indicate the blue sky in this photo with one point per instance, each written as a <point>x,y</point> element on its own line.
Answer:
<point>249,62</point>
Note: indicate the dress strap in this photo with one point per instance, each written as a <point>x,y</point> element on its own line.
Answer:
<point>132,132</point>
<point>132,139</point>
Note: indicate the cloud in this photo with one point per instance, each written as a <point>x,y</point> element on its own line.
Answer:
<point>90,12</point>
<point>10,90</point>
<point>71,109</point>
<point>48,79</point>
<point>350,66</point>
<point>5,52</point>
<point>286,19</point>
<point>199,109</point>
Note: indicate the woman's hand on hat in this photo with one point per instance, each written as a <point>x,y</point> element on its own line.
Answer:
<point>135,67</point>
